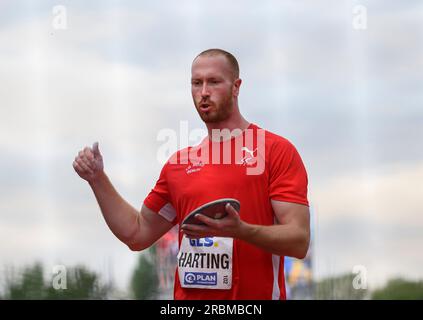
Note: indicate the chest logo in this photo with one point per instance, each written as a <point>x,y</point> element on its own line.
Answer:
<point>194,167</point>
<point>248,158</point>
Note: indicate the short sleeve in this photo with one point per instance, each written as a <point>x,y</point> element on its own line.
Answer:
<point>158,199</point>
<point>288,177</point>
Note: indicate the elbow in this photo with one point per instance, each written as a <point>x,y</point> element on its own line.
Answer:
<point>303,246</point>
<point>137,246</point>
<point>301,254</point>
<point>134,242</point>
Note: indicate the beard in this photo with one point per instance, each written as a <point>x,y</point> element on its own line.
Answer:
<point>219,111</point>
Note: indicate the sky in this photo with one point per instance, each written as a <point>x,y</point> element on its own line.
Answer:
<point>349,99</point>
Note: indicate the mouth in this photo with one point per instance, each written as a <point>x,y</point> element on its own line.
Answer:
<point>205,107</point>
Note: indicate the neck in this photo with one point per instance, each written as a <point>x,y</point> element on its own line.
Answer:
<point>234,122</point>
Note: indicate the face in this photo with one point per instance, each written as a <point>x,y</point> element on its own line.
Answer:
<point>213,88</point>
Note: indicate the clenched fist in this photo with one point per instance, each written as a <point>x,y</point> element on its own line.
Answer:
<point>89,163</point>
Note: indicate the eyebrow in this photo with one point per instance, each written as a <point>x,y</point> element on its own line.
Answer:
<point>208,78</point>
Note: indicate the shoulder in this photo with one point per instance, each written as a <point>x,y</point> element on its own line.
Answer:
<point>275,142</point>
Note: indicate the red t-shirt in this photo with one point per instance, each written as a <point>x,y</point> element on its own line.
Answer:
<point>261,166</point>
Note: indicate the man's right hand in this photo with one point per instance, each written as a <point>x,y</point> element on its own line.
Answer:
<point>89,163</point>
<point>138,230</point>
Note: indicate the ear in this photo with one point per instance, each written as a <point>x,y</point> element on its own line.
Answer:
<point>236,86</point>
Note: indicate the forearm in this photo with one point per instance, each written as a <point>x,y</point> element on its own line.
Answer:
<point>119,215</point>
<point>282,240</point>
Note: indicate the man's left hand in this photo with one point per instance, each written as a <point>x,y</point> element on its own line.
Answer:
<point>229,226</point>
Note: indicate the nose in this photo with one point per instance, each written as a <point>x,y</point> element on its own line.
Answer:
<point>205,91</point>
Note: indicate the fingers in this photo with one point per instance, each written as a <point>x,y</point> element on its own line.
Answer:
<point>88,161</point>
<point>231,210</point>
<point>84,162</point>
<point>214,223</point>
<point>226,226</point>
<point>82,166</point>
<point>194,227</point>
<point>194,231</point>
<point>89,154</point>
<point>96,150</point>
<point>77,167</point>
<point>86,157</point>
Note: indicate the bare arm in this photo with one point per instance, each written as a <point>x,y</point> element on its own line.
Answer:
<point>138,230</point>
<point>290,237</point>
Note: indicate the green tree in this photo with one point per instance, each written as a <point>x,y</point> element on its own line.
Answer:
<point>26,284</point>
<point>338,288</point>
<point>30,283</point>
<point>145,282</point>
<point>400,289</point>
<point>81,284</point>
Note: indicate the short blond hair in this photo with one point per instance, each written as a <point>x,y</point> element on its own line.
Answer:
<point>229,57</point>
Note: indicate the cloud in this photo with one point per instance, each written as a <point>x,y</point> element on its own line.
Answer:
<point>119,74</point>
<point>386,196</point>
<point>372,219</point>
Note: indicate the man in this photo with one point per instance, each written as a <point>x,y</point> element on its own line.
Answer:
<point>241,255</point>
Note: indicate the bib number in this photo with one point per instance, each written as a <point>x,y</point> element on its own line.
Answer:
<point>205,263</point>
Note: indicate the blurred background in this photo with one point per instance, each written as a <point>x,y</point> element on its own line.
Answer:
<point>342,80</point>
